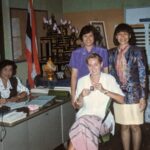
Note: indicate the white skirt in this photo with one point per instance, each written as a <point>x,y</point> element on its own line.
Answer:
<point>128,114</point>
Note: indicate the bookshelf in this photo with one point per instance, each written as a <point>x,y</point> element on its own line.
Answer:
<point>58,44</point>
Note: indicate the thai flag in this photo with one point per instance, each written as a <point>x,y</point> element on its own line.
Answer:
<point>31,46</point>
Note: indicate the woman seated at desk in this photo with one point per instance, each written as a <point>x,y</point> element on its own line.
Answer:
<point>11,89</point>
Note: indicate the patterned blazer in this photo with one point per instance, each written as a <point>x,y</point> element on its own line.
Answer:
<point>135,88</point>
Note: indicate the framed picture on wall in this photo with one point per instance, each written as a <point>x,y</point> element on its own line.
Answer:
<point>101,38</point>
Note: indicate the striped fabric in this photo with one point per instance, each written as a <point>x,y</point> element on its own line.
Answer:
<point>31,46</point>
<point>84,133</point>
<point>121,65</point>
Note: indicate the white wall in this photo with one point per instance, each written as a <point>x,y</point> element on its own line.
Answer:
<point>132,15</point>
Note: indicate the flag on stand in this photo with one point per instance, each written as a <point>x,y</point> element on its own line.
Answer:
<point>31,46</point>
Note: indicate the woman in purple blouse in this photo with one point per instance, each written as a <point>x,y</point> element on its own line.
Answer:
<point>77,62</point>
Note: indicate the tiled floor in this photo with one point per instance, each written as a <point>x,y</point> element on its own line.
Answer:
<point>115,142</point>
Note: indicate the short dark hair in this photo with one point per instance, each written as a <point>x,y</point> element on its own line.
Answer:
<point>87,29</point>
<point>94,55</point>
<point>123,27</point>
<point>5,63</point>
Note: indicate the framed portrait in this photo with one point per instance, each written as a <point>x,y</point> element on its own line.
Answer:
<point>101,38</point>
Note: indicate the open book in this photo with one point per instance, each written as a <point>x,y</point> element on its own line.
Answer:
<point>12,117</point>
<point>40,101</point>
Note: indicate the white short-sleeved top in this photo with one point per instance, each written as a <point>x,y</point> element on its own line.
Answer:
<point>5,92</point>
<point>96,102</point>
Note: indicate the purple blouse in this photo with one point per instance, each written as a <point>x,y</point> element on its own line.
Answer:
<point>78,59</point>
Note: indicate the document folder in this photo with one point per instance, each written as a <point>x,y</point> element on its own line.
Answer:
<point>41,100</point>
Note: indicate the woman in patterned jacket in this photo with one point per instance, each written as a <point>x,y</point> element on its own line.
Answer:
<point>127,65</point>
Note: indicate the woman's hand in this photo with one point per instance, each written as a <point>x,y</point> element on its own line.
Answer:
<point>85,92</point>
<point>79,102</point>
<point>20,97</point>
<point>142,104</point>
<point>117,97</point>
<point>98,86</point>
<point>73,103</point>
<point>3,101</point>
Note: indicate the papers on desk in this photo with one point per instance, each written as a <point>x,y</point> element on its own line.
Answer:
<point>62,88</point>
<point>15,105</point>
<point>41,100</point>
<point>40,90</point>
<point>12,117</point>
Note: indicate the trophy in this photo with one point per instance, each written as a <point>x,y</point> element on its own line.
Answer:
<point>49,69</point>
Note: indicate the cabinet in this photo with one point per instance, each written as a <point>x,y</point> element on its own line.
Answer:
<point>68,118</point>
<point>38,126</point>
<point>45,130</point>
<point>59,48</point>
<point>16,138</point>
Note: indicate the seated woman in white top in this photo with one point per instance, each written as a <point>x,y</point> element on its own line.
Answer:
<point>92,96</point>
<point>11,89</point>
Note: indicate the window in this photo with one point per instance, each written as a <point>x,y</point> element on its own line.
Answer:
<point>142,34</point>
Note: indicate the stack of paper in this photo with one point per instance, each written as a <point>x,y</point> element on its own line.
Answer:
<point>40,90</point>
<point>12,117</point>
<point>15,105</point>
<point>62,88</point>
<point>41,100</point>
<point>43,90</point>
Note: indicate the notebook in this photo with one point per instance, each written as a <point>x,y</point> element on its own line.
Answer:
<point>15,105</point>
<point>12,117</point>
<point>41,100</point>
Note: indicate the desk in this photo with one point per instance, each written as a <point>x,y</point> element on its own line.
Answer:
<point>43,130</point>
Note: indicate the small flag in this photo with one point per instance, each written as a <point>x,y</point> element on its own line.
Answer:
<point>31,46</point>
